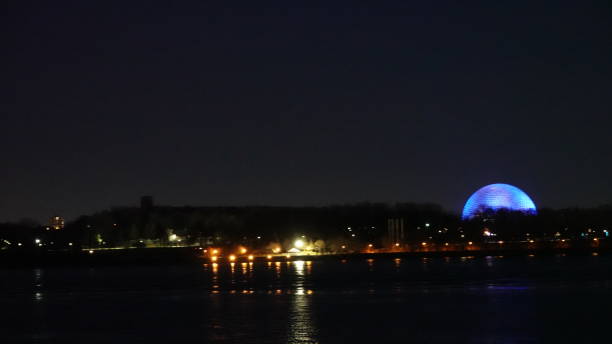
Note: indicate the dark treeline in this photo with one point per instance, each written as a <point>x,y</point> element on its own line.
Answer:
<point>253,226</point>
<point>569,223</point>
<point>258,226</point>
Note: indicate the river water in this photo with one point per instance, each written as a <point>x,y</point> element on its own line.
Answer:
<point>521,299</point>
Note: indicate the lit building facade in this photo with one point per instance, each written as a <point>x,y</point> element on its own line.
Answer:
<point>57,222</point>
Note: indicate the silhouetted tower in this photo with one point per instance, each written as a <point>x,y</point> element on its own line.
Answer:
<point>146,203</point>
<point>146,208</point>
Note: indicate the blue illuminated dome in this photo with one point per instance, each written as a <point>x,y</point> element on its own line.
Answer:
<point>498,196</point>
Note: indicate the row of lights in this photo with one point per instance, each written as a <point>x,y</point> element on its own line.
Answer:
<point>300,244</point>
<point>233,258</point>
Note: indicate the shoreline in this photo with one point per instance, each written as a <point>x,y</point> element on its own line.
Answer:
<point>191,255</point>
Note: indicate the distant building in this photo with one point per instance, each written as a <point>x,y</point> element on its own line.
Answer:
<point>57,222</point>
<point>395,230</point>
<point>496,197</point>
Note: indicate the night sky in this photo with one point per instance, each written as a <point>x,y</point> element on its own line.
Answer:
<point>299,103</point>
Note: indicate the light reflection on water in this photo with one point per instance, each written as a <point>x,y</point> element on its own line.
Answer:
<point>277,269</point>
<point>38,284</point>
<point>303,301</point>
<point>301,326</point>
<point>293,277</point>
<point>299,271</point>
<point>370,264</point>
<point>489,261</point>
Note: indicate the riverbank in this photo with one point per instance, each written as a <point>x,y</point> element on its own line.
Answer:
<point>194,255</point>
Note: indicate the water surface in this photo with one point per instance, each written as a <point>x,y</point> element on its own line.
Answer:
<point>529,299</point>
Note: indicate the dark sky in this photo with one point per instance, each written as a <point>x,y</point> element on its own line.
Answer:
<point>299,103</point>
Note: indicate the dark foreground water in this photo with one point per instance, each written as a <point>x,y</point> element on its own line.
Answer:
<point>548,299</point>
